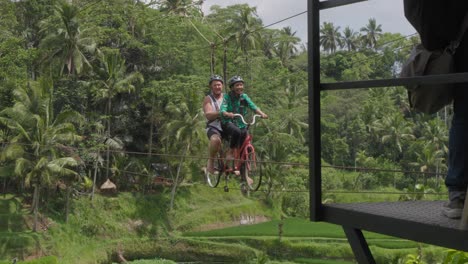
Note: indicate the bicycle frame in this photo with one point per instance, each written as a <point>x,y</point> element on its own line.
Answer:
<point>245,164</point>
<point>243,151</point>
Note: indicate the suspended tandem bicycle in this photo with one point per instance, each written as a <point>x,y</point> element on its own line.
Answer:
<point>245,164</point>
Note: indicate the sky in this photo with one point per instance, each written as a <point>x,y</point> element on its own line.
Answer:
<point>388,13</point>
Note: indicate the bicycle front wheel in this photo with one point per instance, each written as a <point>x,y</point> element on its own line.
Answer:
<point>212,178</point>
<point>251,170</point>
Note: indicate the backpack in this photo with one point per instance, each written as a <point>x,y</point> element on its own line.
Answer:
<point>438,23</point>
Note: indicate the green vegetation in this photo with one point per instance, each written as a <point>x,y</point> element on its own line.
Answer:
<point>138,228</point>
<point>43,260</point>
<point>95,92</point>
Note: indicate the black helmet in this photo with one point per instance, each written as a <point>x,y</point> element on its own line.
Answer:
<point>215,78</point>
<point>235,79</point>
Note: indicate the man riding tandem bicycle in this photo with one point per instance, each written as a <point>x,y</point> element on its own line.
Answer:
<point>240,158</point>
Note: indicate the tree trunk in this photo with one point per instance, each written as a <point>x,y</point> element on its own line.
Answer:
<point>94,176</point>
<point>109,105</point>
<point>67,204</point>
<point>150,143</point>
<point>35,205</point>
<point>176,181</point>
<point>4,187</point>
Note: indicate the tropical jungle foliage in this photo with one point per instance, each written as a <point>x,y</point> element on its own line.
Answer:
<point>98,90</point>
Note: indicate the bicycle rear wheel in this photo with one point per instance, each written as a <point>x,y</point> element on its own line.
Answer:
<point>250,170</point>
<point>212,179</point>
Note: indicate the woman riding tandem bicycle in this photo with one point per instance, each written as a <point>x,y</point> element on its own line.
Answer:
<point>236,102</point>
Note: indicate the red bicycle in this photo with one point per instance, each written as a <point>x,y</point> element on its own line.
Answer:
<point>246,161</point>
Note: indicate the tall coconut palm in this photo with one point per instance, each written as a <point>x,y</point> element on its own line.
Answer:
<point>430,160</point>
<point>113,79</point>
<point>371,33</point>
<point>268,42</point>
<point>436,135</point>
<point>330,37</point>
<point>179,7</point>
<point>394,129</point>
<point>293,121</point>
<point>185,130</point>
<point>286,47</point>
<point>65,42</point>
<point>245,27</point>
<point>350,39</point>
<point>39,138</point>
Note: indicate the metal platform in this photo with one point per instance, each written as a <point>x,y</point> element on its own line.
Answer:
<point>414,220</point>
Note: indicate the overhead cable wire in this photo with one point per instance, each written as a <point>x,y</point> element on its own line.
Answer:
<point>203,36</point>
<point>282,20</point>
<point>283,163</point>
<point>151,173</point>
<point>263,27</point>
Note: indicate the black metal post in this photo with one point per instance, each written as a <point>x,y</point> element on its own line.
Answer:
<point>359,245</point>
<point>313,47</point>
<point>336,3</point>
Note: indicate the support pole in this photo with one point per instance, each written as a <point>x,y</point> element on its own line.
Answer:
<point>359,245</point>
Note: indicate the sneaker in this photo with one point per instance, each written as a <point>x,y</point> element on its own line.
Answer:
<point>453,209</point>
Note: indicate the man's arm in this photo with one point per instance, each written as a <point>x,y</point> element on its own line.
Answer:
<point>254,107</point>
<point>210,113</point>
<point>259,112</point>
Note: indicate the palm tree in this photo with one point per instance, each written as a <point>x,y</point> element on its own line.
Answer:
<point>430,160</point>
<point>394,129</point>
<point>350,39</point>
<point>371,32</point>
<point>113,79</point>
<point>293,121</point>
<point>184,131</point>
<point>436,135</point>
<point>364,161</point>
<point>37,149</point>
<point>65,41</point>
<point>268,42</point>
<point>286,47</point>
<point>179,7</point>
<point>245,27</point>
<point>330,37</point>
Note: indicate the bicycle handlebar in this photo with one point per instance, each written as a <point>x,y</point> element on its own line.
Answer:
<point>243,120</point>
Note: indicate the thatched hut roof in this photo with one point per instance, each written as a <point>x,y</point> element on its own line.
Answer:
<point>108,185</point>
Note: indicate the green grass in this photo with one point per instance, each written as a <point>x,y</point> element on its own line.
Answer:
<point>200,205</point>
<point>43,260</point>
<point>99,227</point>
<point>155,261</point>
<point>142,227</point>
<point>321,261</point>
<point>292,227</point>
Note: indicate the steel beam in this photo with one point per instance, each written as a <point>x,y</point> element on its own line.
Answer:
<point>359,245</point>
<point>429,79</point>
<point>336,3</point>
<point>315,177</point>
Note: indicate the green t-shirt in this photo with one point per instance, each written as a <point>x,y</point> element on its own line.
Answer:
<point>237,105</point>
